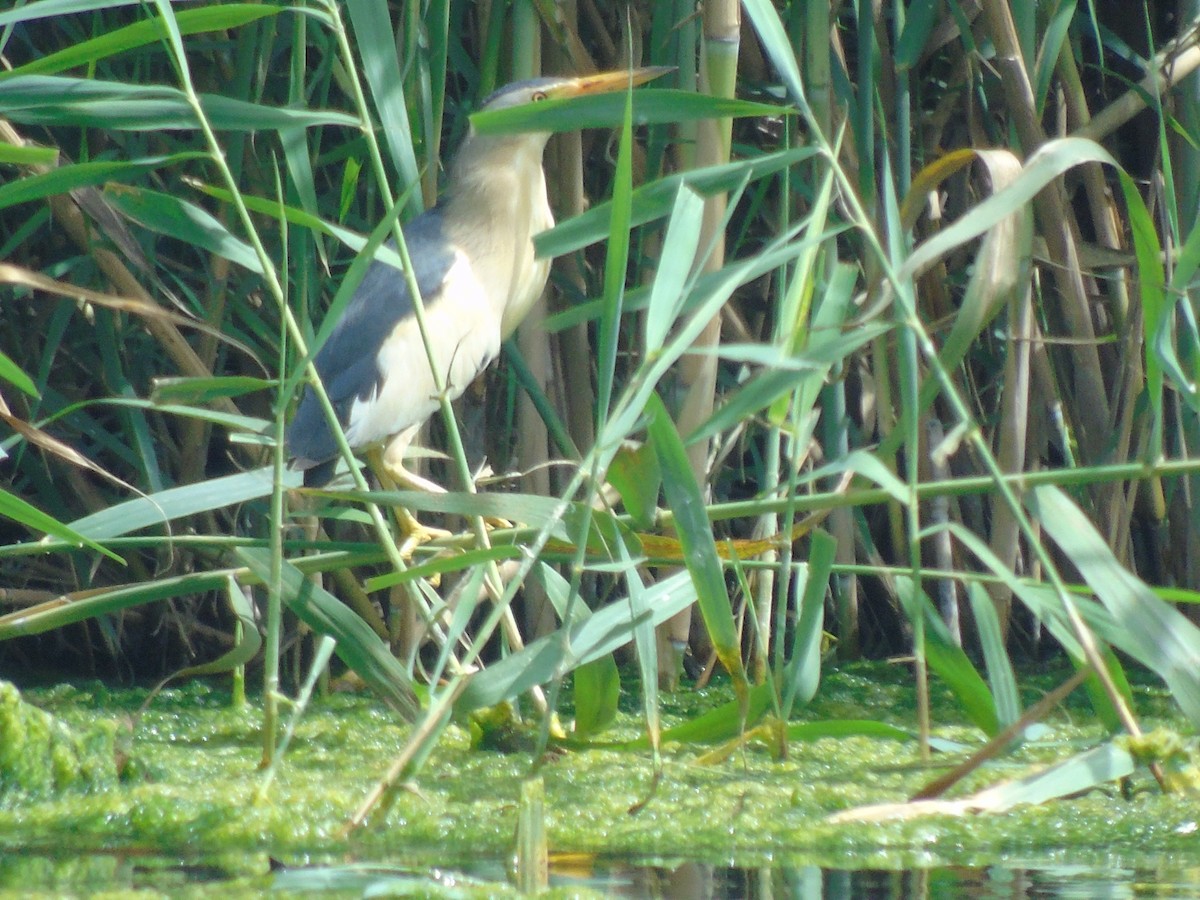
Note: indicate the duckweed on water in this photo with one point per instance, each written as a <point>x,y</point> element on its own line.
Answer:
<point>195,783</point>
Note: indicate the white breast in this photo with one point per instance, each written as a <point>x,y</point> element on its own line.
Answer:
<point>465,335</point>
<point>491,218</point>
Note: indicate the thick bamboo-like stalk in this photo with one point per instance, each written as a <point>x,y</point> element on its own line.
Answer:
<point>1089,400</point>
<point>841,522</point>
<point>698,373</point>
<point>672,636</point>
<point>1185,156</point>
<point>526,62</point>
<point>1176,61</point>
<point>944,589</point>
<point>1010,452</point>
<point>1186,164</point>
<point>576,396</point>
<point>771,585</point>
<point>533,443</point>
<point>1102,212</point>
<point>1128,386</point>
<point>561,20</point>
<point>574,391</point>
<point>1109,233</point>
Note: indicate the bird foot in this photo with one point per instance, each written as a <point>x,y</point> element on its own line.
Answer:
<point>416,534</point>
<point>495,523</point>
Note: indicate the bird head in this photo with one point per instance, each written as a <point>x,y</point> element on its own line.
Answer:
<point>534,90</point>
<point>488,151</point>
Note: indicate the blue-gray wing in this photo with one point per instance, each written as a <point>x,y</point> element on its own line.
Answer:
<point>348,360</point>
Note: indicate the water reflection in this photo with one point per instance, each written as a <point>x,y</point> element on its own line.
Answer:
<point>86,874</point>
<point>1069,882</point>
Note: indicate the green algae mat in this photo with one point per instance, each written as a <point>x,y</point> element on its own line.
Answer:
<point>181,780</point>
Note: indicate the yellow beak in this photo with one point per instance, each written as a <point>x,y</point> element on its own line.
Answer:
<point>606,82</point>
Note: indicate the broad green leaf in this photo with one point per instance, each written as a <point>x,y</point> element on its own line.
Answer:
<point>635,474</point>
<point>14,508</point>
<point>776,381</point>
<point>64,179</point>
<point>528,509</point>
<point>1000,675</point>
<point>919,19</point>
<point>11,154</point>
<point>1002,263</point>
<point>1047,607</point>
<point>1001,267</point>
<point>727,721</point>
<point>1053,40</point>
<point>630,411</point>
<point>558,591</point>
<point>231,421</point>
<point>372,24</point>
<point>294,216</point>
<point>60,100</point>
<point>160,508</point>
<point>13,374</point>
<point>443,565</point>
<point>869,466</point>
<point>1187,263</point>
<point>94,603</point>
<point>44,9</point>
<point>701,287</point>
<point>206,389</point>
<point>460,621</point>
<point>646,644</point>
<point>1048,162</point>
<point>245,649</point>
<point>357,645</point>
<point>722,724</point>
<point>597,689</point>
<point>803,670</point>
<point>675,264</point>
<point>194,20</point>
<point>613,626</point>
<point>1157,348</point>
<point>696,540</point>
<point>777,46</point>
<point>948,661</point>
<point>657,199</point>
<point>556,654</point>
<point>167,214</point>
<point>1083,772</point>
<point>298,159</point>
<point>650,107</point>
<point>795,307</point>
<point>1159,636</point>
<point>616,262</point>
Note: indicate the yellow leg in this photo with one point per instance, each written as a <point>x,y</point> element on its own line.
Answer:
<point>414,482</point>
<point>416,534</point>
<point>388,465</point>
<point>392,476</point>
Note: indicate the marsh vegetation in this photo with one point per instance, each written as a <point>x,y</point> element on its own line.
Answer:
<point>869,334</point>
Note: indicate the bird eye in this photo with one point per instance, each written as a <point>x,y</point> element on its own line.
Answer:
<point>538,95</point>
